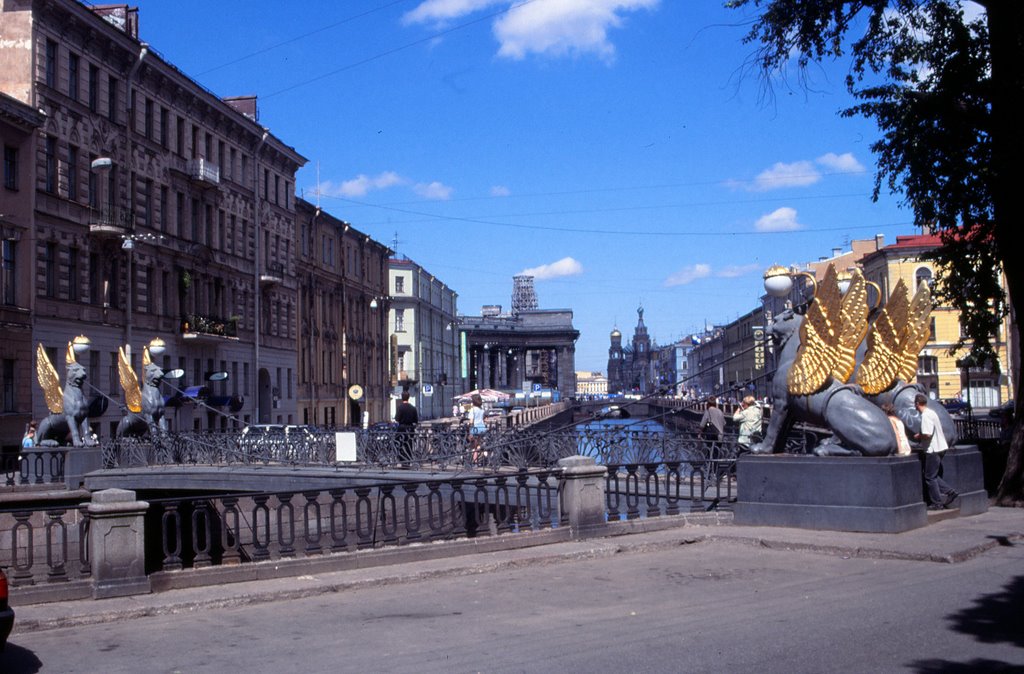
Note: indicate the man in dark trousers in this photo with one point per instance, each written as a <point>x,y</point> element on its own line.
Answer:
<point>406,417</point>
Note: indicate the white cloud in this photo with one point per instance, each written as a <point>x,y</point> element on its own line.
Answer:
<point>736,270</point>
<point>548,27</point>
<point>360,185</point>
<point>500,191</point>
<point>780,220</point>
<point>434,190</point>
<point>688,275</point>
<point>780,175</point>
<point>442,11</point>
<point>567,266</point>
<point>841,163</point>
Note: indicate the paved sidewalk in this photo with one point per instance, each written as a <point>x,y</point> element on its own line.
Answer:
<point>950,540</point>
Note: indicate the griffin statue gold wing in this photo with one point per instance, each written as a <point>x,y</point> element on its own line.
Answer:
<point>830,334</point>
<point>129,381</point>
<point>918,330</point>
<point>49,381</point>
<point>884,356</point>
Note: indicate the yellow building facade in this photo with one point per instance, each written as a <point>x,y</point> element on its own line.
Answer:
<point>942,372</point>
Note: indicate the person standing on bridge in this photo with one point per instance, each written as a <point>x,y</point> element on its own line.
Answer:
<point>748,416</point>
<point>712,424</point>
<point>406,417</point>
<point>477,426</point>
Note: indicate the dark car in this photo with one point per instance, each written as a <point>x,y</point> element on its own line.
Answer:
<point>1004,410</point>
<point>955,406</point>
<point>6,612</point>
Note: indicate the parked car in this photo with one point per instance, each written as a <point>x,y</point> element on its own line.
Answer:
<point>1004,410</point>
<point>6,612</point>
<point>493,412</point>
<point>956,406</point>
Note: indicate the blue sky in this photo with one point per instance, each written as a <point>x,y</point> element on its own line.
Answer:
<point>620,150</point>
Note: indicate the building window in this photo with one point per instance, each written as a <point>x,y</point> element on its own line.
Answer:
<point>50,166</point>
<point>72,173</point>
<point>931,330</point>
<point>923,274</point>
<point>10,167</point>
<point>165,133</point>
<point>112,375</point>
<point>149,111</point>
<point>8,385</point>
<point>179,138</point>
<point>73,67</point>
<point>399,284</point>
<point>7,277</point>
<point>112,98</point>
<point>95,280</point>
<point>927,365</point>
<point>50,265</point>
<point>73,279</point>
<point>399,320</point>
<point>51,64</point>
<point>94,88</point>
<point>163,208</point>
<point>147,192</point>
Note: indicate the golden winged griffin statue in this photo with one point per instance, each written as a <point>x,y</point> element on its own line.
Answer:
<point>832,376</point>
<point>145,403</point>
<point>68,423</point>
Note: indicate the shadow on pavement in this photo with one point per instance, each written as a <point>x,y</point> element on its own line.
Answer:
<point>994,618</point>
<point>18,660</point>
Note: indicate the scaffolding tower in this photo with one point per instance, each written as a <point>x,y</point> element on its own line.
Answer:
<point>524,298</point>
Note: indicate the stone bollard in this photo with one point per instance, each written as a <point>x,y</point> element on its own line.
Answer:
<point>117,544</point>
<point>582,495</point>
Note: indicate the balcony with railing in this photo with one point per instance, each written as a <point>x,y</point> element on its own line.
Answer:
<point>110,222</point>
<point>272,274</point>
<point>203,172</point>
<point>212,328</point>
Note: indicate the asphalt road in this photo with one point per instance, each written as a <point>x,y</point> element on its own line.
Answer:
<point>705,607</point>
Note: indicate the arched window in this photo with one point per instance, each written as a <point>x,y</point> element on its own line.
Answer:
<point>923,274</point>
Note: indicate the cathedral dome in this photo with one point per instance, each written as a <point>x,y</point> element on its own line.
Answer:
<point>616,333</point>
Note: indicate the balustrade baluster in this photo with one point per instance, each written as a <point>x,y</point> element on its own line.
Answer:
<point>411,511</point>
<point>502,505</point>
<point>673,476</point>
<point>365,518</point>
<point>261,517</point>
<point>435,509</point>
<point>632,492</point>
<point>285,530</point>
<point>652,489</point>
<point>339,521</point>
<point>56,563</point>
<point>613,497</point>
<point>22,567</point>
<point>230,531</point>
<point>458,508</point>
<point>201,538</point>
<point>312,526</point>
<point>480,509</point>
<point>524,513</point>
<point>388,507</point>
<point>171,518</point>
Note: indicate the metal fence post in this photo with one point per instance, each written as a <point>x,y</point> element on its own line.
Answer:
<point>117,544</point>
<point>581,488</point>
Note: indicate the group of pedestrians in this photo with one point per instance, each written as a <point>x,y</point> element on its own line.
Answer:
<point>748,416</point>
<point>406,417</point>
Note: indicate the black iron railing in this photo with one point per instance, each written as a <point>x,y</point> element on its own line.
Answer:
<point>35,466</point>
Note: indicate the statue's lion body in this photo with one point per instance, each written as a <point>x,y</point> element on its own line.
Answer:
<point>859,426</point>
<point>152,415</point>
<point>71,424</point>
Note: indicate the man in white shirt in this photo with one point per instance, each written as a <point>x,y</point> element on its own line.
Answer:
<point>934,442</point>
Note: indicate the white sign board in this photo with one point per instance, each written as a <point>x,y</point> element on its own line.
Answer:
<point>345,446</point>
<point>427,389</point>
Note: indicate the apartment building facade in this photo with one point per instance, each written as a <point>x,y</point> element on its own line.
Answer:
<point>342,337</point>
<point>152,208</point>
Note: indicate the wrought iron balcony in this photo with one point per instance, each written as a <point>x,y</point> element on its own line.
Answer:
<point>196,326</point>
<point>273,273</point>
<point>111,222</point>
<point>203,172</point>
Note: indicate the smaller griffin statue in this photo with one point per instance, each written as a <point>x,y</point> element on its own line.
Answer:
<point>69,409</point>
<point>146,403</point>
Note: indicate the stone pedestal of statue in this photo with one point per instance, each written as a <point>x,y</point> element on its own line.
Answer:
<point>880,495</point>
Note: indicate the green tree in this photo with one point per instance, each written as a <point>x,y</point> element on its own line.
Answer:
<point>942,88</point>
